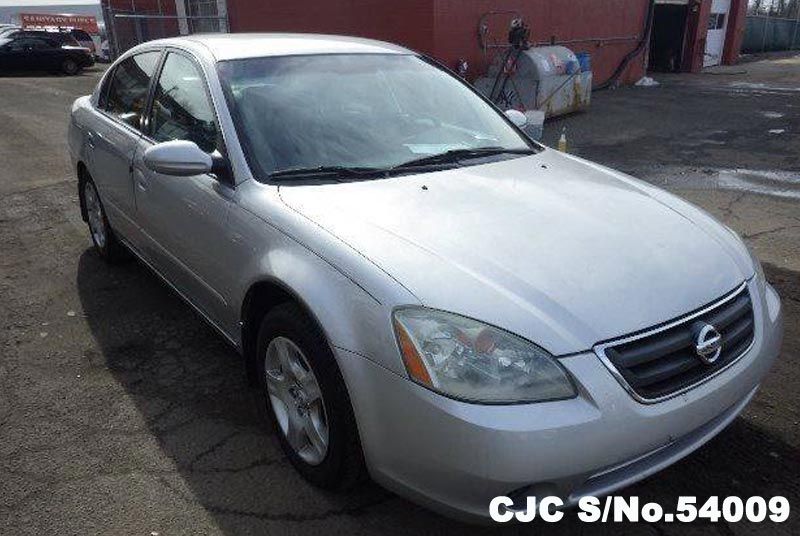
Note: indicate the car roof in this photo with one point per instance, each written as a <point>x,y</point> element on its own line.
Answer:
<point>29,32</point>
<point>252,45</point>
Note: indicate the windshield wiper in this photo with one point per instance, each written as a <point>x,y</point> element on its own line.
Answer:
<point>340,172</point>
<point>325,172</point>
<point>455,155</point>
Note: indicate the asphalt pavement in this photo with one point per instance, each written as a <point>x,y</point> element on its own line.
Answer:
<point>122,412</point>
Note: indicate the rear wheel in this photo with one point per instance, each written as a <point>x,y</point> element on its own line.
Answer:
<point>105,242</point>
<point>70,67</point>
<point>307,399</point>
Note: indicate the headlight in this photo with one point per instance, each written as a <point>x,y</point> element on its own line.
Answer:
<point>469,360</point>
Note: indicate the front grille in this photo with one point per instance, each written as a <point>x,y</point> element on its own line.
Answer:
<point>661,362</point>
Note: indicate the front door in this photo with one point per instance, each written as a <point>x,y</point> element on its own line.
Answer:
<point>185,218</point>
<point>715,38</point>
<point>114,135</point>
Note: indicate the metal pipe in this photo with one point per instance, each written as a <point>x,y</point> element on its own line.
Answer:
<point>590,39</point>
<point>131,16</point>
<point>581,40</point>
<point>767,17</point>
<point>117,51</point>
<point>161,21</point>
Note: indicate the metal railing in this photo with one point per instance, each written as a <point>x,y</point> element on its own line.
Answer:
<point>765,33</point>
<point>127,29</point>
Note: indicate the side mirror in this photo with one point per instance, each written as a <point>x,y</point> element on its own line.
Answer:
<point>180,158</point>
<point>517,117</point>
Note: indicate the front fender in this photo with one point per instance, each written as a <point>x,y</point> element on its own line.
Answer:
<point>350,298</point>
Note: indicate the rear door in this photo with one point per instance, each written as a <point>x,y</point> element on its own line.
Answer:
<point>185,218</point>
<point>114,135</point>
<point>47,53</point>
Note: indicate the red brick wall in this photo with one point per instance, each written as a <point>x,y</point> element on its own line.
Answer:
<point>697,28</point>
<point>735,33</point>
<point>447,29</point>
<point>408,22</point>
<point>594,21</point>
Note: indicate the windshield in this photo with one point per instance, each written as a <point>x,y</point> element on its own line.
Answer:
<point>355,111</point>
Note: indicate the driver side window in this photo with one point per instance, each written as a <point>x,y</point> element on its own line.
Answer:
<point>181,107</point>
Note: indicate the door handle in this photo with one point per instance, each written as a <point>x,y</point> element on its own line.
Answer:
<point>140,179</point>
<point>90,140</point>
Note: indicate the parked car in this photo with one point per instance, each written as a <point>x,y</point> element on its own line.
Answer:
<point>32,51</point>
<point>419,290</point>
<point>62,38</point>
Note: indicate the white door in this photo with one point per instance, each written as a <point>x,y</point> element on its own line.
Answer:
<point>715,39</point>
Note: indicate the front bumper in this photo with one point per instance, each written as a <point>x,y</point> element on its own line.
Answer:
<point>455,457</point>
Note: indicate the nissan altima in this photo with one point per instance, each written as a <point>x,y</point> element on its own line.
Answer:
<point>424,295</point>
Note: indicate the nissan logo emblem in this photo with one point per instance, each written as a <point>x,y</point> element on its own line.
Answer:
<point>707,343</point>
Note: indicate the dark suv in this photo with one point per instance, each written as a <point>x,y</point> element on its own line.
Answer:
<point>40,50</point>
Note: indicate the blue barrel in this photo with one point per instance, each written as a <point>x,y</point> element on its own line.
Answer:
<point>572,67</point>
<point>585,61</point>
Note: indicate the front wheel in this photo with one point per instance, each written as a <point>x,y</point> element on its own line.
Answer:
<point>307,399</point>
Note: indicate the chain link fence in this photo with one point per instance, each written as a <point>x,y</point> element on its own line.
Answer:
<point>772,25</point>
<point>128,28</point>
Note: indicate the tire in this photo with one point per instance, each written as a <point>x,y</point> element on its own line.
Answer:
<point>342,465</point>
<point>103,237</point>
<point>70,67</point>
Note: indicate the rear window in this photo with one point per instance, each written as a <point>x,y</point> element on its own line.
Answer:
<point>81,35</point>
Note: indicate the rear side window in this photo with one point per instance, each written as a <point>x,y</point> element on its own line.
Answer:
<point>125,96</point>
<point>57,38</point>
<point>30,43</point>
<point>181,108</point>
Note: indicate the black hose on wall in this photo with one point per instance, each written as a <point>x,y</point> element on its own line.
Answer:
<point>648,26</point>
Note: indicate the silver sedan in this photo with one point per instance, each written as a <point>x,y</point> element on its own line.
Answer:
<point>424,295</point>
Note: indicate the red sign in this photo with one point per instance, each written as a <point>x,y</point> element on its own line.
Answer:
<point>87,23</point>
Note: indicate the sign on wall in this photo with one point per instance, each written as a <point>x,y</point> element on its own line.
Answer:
<point>87,23</point>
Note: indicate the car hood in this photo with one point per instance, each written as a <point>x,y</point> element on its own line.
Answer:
<point>553,248</point>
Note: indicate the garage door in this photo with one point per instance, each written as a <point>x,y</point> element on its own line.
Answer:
<point>715,39</point>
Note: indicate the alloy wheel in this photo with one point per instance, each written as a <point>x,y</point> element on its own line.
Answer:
<point>297,400</point>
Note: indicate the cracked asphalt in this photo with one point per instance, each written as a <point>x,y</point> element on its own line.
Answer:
<point>121,412</point>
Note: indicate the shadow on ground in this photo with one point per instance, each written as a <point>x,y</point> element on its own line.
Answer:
<point>191,392</point>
